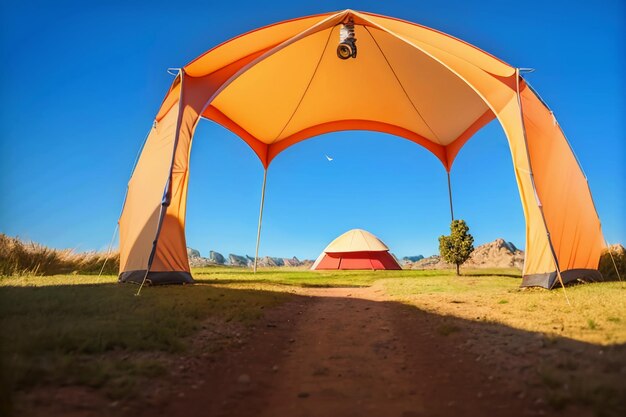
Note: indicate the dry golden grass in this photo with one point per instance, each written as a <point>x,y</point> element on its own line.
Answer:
<point>29,258</point>
<point>612,262</point>
<point>595,314</point>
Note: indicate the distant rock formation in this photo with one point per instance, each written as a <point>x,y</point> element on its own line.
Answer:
<point>412,258</point>
<point>196,260</point>
<point>306,263</point>
<point>237,260</point>
<point>217,257</point>
<point>292,262</point>
<point>193,253</point>
<point>431,262</point>
<point>268,261</point>
<point>496,254</point>
<point>277,262</point>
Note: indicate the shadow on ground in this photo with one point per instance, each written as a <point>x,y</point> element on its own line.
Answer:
<point>94,350</point>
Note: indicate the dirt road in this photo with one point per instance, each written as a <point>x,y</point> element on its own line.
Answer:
<point>344,352</point>
<point>340,352</point>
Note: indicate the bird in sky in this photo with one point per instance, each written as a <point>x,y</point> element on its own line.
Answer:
<point>328,157</point>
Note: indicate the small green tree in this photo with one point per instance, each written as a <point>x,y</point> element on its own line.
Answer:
<point>457,247</point>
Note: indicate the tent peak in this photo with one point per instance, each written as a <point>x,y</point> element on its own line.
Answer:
<point>356,240</point>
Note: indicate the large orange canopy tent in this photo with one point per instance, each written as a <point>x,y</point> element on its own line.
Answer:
<point>282,84</point>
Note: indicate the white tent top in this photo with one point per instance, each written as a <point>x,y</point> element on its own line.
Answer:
<point>356,240</point>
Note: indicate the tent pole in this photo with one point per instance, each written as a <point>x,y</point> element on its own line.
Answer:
<point>258,232</point>
<point>450,196</point>
<point>532,181</point>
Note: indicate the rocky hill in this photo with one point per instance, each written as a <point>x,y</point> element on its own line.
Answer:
<point>215,258</point>
<point>411,259</point>
<point>496,254</point>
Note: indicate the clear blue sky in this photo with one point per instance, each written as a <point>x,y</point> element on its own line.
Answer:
<point>81,82</point>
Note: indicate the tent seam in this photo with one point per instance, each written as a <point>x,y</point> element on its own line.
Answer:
<point>403,89</point>
<point>321,15</point>
<point>306,90</point>
<point>532,179</point>
<point>269,52</point>
<point>452,37</point>
<point>163,209</point>
<point>569,145</point>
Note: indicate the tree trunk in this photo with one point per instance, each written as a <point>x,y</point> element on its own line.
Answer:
<point>457,270</point>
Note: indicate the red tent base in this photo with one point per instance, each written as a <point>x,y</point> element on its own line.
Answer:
<point>358,260</point>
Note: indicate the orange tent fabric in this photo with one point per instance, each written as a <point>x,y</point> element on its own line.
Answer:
<point>282,84</point>
<point>356,249</point>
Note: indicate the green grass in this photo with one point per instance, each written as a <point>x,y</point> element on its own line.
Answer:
<point>72,329</point>
<point>284,276</point>
<point>582,373</point>
<point>305,278</point>
<point>596,314</point>
<point>90,331</point>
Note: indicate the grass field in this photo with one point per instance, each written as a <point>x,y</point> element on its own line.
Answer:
<point>305,278</point>
<point>80,329</point>
<point>595,313</point>
<point>76,329</point>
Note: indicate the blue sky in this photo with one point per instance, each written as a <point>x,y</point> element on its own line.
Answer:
<point>82,81</point>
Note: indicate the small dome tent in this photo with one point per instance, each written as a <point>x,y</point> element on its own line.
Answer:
<point>285,83</point>
<point>356,249</point>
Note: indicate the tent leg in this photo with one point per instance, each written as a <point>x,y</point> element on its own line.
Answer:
<point>258,232</point>
<point>450,196</point>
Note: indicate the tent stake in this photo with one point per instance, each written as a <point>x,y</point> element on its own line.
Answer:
<point>258,232</point>
<point>558,274</point>
<point>450,196</point>
<point>143,281</point>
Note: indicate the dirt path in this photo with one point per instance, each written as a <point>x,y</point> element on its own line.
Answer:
<point>341,352</point>
<point>346,360</point>
<point>345,352</point>
<point>355,357</point>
